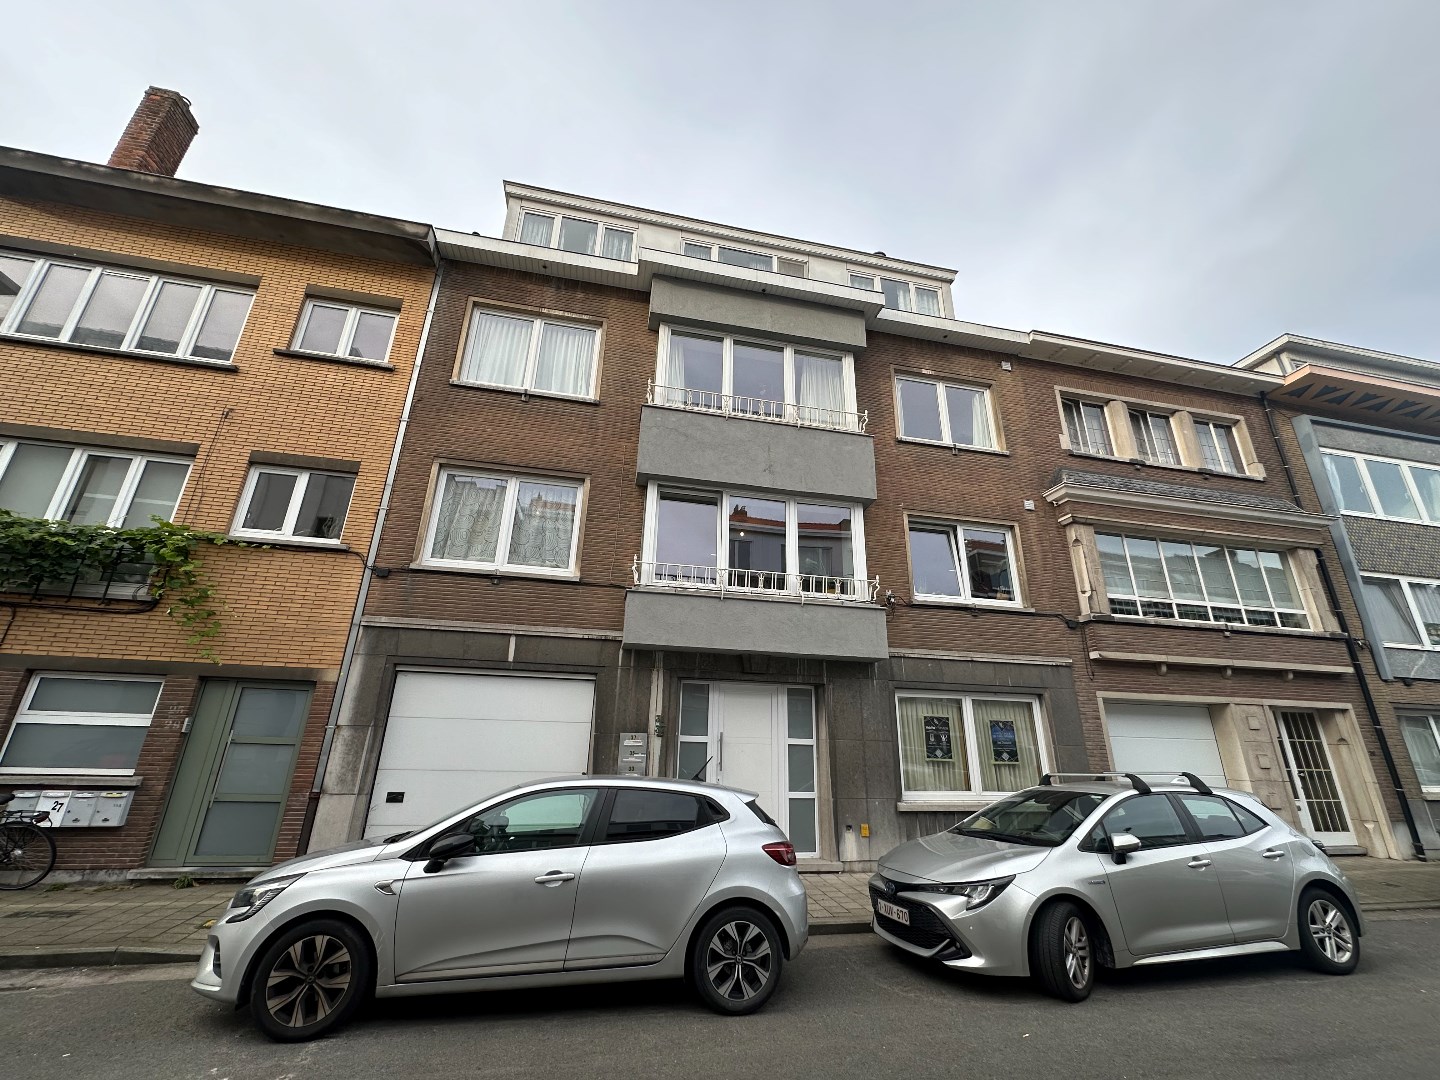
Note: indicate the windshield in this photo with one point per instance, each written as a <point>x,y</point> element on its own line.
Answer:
<point>1041,817</point>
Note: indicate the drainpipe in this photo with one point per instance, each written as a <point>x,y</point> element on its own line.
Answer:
<point>347,658</point>
<point>1332,595</point>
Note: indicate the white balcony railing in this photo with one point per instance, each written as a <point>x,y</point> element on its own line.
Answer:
<point>753,408</point>
<point>713,579</point>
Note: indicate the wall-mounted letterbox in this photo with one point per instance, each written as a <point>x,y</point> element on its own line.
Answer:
<point>75,809</point>
<point>634,752</point>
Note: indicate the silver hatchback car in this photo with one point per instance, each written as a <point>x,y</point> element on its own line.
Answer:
<point>573,880</point>
<point>1060,878</point>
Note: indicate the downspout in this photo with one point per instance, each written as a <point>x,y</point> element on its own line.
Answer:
<point>347,658</point>
<point>1351,647</point>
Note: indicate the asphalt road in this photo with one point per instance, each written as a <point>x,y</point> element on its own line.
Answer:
<point>850,1007</point>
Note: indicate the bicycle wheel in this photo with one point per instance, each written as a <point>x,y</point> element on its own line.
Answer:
<point>26,854</point>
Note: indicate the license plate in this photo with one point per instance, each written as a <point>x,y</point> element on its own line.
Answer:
<point>893,911</point>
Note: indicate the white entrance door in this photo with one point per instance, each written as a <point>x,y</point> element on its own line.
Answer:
<point>453,738</point>
<point>1164,738</point>
<point>1318,800</point>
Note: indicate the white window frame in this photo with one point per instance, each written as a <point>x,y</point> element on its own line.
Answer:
<point>714,247</point>
<point>972,743</point>
<point>1434,723</point>
<point>876,277</point>
<point>557,218</point>
<point>946,434</point>
<point>95,719</point>
<point>725,500</point>
<point>1207,433</point>
<point>507,523</point>
<point>347,331</point>
<point>286,532</point>
<point>955,532</point>
<point>532,358</point>
<point>65,488</point>
<point>1417,624</point>
<point>1080,404</point>
<point>154,281</point>
<point>1362,466</point>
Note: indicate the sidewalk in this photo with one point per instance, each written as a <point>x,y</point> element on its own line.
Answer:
<point>101,925</point>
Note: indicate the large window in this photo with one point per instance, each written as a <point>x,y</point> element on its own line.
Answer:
<point>89,486</point>
<point>580,235</point>
<point>294,504</point>
<point>967,747</point>
<point>758,380</point>
<point>1422,738</point>
<point>80,724</point>
<point>900,295</point>
<point>950,561</point>
<point>523,352</point>
<point>942,412</point>
<point>85,304</point>
<point>328,328</point>
<point>1170,579</point>
<point>727,540</point>
<point>1381,487</point>
<point>1408,611</point>
<point>493,521</point>
<point>752,260</point>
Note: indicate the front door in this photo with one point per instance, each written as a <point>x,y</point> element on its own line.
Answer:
<point>229,791</point>
<point>1318,801</point>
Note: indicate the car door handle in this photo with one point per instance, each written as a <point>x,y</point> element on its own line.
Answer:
<point>554,877</point>
<point>1198,863</point>
<point>1272,853</point>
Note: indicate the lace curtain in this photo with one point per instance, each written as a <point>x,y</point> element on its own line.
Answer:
<point>468,528</point>
<point>544,525</point>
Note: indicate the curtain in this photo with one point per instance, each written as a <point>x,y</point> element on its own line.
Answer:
<point>616,244</point>
<point>497,350</point>
<point>693,372</point>
<point>567,358</point>
<point>1427,481</point>
<point>994,721</point>
<point>468,527</point>
<point>820,391</point>
<point>1386,600</point>
<point>921,771</point>
<point>544,525</point>
<point>969,418</point>
<point>1427,602</point>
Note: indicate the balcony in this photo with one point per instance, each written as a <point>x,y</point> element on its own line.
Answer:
<point>753,408</point>
<point>107,575</point>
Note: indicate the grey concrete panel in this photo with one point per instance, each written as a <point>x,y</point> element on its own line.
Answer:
<point>847,769</point>
<point>1383,444</point>
<point>710,307</point>
<point>1413,663</point>
<point>682,446</point>
<point>702,623</point>
<point>843,705</point>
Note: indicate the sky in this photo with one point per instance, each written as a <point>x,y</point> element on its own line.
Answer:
<point>1190,176</point>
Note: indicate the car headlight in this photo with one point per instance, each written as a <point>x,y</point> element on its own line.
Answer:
<point>249,900</point>
<point>976,893</point>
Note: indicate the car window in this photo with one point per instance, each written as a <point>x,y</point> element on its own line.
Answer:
<point>1215,816</point>
<point>1042,817</point>
<point>759,811</point>
<point>547,819</point>
<point>1252,822</point>
<point>1150,818</point>
<point>641,814</point>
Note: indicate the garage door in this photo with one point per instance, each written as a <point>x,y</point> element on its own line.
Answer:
<point>1164,738</point>
<point>454,738</point>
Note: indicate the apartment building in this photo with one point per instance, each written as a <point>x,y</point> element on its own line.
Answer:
<point>685,499</point>
<point>1366,426</point>
<point>233,362</point>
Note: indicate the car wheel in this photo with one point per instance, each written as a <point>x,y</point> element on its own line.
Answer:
<point>309,980</point>
<point>735,960</point>
<point>1327,934</point>
<point>1063,952</point>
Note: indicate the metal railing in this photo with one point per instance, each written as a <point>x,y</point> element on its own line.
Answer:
<point>104,572</point>
<point>753,408</point>
<point>666,575</point>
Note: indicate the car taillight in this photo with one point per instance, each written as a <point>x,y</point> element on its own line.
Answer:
<point>781,851</point>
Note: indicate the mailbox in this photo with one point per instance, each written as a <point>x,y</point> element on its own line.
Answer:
<point>53,803</point>
<point>23,801</point>
<point>111,808</point>
<point>79,810</point>
<point>634,752</point>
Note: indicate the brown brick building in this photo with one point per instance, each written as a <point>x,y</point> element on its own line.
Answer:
<point>234,362</point>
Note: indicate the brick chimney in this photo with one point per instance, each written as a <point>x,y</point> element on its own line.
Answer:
<point>158,134</point>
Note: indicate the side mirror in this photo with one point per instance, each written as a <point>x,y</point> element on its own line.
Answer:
<point>1122,845</point>
<point>449,847</point>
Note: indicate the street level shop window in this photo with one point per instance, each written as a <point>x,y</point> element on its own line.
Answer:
<point>967,746</point>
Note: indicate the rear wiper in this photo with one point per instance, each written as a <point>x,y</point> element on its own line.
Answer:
<point>991,834</point>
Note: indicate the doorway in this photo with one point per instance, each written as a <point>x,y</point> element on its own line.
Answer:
<point>1318,800</point>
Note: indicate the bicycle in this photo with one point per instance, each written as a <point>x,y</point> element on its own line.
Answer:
<point>27,853</point>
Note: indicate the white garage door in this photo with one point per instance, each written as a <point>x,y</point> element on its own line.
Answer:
<point>1164,738</point>
<point>455,738</point>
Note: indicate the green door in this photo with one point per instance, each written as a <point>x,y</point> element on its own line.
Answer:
<point>229,792</point>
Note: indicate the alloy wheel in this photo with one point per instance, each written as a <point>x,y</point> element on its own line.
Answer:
<point>1330,929</point>
<point>308,981</point>
<point>738,961</point>
<point>1077,952</point>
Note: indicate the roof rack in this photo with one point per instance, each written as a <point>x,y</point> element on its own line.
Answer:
<point>1138,784</point>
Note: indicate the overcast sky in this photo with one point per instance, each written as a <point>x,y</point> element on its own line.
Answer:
<point>1190,177</point>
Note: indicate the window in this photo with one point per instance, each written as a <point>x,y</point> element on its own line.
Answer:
<point>1087,428</point>
<point>1217,445</point>
<point>1154,437</point>
<point>753,260</point>
<point>1422,737</point>
<point>81,724</point>
<point>579,235</point>
<point>962,562</point>
<point>1169,579</point>
<point>335,329</point>
<point>641,814</point>
<point>539,822</point>
<point>1150,818</point>
<point>498,522</point>
<point>932,411</point>
<point>1407,611</point>
<point>967,746</point>
<point>900,295</point>
<point>523,352</point>
<point>111,308</point>
<point>717,540</point>
<point>1405,490</point>
<point>1220,819</point>
<point>757,380</point>
<point>294,504</point>
<point>89,486</point>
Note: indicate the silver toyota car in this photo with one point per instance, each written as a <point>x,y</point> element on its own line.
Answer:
<point>1060,878</point>
<point>565,881</point>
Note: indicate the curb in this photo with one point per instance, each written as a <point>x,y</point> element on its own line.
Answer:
<point>64,956</point>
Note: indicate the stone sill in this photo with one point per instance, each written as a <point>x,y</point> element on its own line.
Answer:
<point>968,806</point>
<point>72,782</point>
<point>1193,470</point>
<point>331,358</point>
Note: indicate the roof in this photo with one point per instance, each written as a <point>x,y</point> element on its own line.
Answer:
<point>1346,356</point>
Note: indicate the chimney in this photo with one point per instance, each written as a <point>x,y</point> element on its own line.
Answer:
<point>158,134</point>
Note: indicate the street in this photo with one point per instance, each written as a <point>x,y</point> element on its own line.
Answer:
<point>850,1007</point>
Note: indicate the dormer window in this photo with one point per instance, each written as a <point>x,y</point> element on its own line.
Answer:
<point>900,295</point>
<point>753,260</point>
<point>580,235</point>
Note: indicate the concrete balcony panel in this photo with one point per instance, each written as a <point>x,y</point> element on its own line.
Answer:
<point>699,622</point>
<point>709,307</point>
